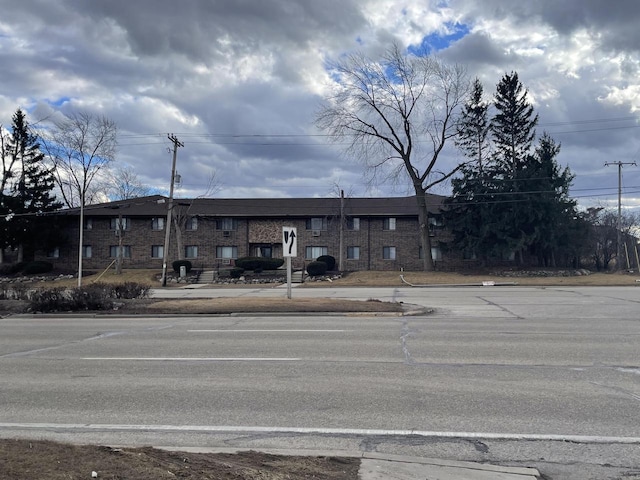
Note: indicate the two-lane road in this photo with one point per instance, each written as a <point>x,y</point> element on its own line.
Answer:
<point>488,366</point>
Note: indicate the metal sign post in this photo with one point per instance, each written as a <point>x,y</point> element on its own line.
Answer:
<point>289,250</point>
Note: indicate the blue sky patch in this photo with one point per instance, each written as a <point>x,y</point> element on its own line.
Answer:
<point>58,102</point>
<point>437,41</point>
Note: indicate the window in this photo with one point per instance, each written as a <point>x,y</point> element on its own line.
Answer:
<point>316,223</point>
<point>120,223</point>
<point>226,252</point>
<point>353,253</point>
<point>157,251</point>
<point>436,253</point>
<point>311,253</point>
<point>389,224</point>
<point>126,251</point>
<point>54,253</point>
<point>87,251</point>
<point>88,223</point>
<point>157,223</point>
<point>353,223</point>
<point>192,223</point>
<point>389,253</point>
<point>191,251</point>
<point>226,224</point>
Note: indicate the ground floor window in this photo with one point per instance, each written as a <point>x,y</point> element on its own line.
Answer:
<point>191,251</point>
<point>125,251</point>
<point>53,253</point>
<point>86,251</point>
<point>227,252</point>
<point>436,253</point>
<point>157,251</point>
<point>311,253</point>
<point>389,253</point>
<point>353,253</point>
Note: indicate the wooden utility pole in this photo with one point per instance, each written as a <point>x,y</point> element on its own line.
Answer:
<point>167,226</point>
<point>619,226</point>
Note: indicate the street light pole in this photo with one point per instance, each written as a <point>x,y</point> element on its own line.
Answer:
<point>167,232</point>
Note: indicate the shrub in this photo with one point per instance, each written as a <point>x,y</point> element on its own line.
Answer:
<point>329,260</point>
<point>95,296</point>
<point>12,268</point>
<point>39,266</point>
<point>236,272</point>
<point>181,263</point>
<point>254,263</point>
<point>128,290</point>
<point>49,300</point>
<point>316,268</point>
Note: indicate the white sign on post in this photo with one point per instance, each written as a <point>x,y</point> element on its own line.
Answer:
<point>289,242</point>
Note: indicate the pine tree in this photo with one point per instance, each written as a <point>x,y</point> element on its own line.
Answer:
<point>30,193</point>
<point>473,127</point>
<point>513,126</point>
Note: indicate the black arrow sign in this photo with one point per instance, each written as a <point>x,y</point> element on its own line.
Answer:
<point>290,236</point>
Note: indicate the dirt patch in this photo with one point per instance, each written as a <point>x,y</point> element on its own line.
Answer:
<point>29,460</point>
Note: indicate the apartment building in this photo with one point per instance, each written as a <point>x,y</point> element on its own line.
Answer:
<point>375,233</point>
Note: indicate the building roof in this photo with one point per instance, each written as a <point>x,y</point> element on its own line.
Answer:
<point>156,205</point>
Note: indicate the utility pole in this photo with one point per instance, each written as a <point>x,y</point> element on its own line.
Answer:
<point>167,232</point>
<point>619,226</point>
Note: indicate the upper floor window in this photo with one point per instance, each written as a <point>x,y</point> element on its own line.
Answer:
<point>88,223</point>
<point>87,251</point>
<point>389,223</point>
<point>226,224</point>
<point>192,223</point>
<point>120,223</point>
<point>353,223</point>
<point>316,223</point>
<point>157,223</point>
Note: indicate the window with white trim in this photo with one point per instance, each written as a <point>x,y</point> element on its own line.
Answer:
<point>226,252</point>
<point>192,223</point>
<point>157,223</point>
<point>353,223</point>
<point>191,251</point>
<point>157,251</point>
<point>120,223</point>
<point>316,223</point>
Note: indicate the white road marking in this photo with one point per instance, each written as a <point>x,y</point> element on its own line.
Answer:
<point>320,431</point>
<point>267,331</point>
<point>193,359</point>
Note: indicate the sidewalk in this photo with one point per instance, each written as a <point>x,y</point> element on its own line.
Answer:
<point>378,466</point>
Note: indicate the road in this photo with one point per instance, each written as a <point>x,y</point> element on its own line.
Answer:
<point>542,377</point>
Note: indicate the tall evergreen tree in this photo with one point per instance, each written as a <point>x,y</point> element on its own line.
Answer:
<point>513,125</point>
<point>473,127</point>
<point>30,192</point>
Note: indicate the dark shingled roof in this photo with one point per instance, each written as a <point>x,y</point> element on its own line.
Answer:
<point>156,205</point>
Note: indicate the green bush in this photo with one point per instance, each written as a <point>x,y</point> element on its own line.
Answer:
<point>181,263</point>
<point>39,266</point>
<point>254,263</point>
<point>329,260</point>
<point>316,268</point>
<point>236,272</point>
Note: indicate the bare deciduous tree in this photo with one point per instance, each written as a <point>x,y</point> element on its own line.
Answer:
<point>396,115</point>
<point>123,183</point>
<point>79,146</point>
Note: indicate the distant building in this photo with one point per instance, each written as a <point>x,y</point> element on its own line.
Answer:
<point>377,233</point>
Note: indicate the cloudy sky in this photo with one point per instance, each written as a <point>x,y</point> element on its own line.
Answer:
<point>239,81</point>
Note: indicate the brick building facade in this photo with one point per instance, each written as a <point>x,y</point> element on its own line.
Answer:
<point>377,233</point>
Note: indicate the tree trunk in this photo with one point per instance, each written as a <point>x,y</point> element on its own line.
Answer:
<point>423,221</point>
